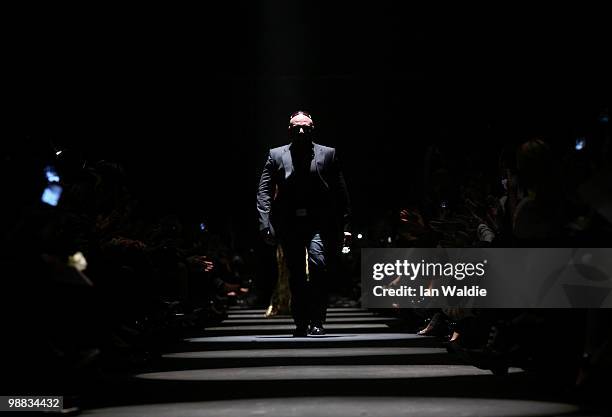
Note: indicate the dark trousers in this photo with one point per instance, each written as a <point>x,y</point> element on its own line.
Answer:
<point>308,291</point>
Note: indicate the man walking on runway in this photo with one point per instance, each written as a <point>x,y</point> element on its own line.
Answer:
<point>303,204</point>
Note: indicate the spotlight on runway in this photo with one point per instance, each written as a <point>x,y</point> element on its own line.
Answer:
<point>263,374</point>
<point>348,406</point>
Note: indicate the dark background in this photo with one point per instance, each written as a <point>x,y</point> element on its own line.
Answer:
<point>190,100</point>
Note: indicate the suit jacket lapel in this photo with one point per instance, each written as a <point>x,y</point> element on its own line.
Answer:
<point>287,162</point>
<point>319,161</point>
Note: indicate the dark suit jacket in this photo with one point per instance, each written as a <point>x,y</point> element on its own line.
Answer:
<point>272,197</point>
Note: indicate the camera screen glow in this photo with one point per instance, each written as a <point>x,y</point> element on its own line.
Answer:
<point>51,195</point>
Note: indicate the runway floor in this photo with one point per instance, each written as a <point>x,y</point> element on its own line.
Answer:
<point>251,366</point>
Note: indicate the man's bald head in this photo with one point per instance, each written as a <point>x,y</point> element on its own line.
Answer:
<point>301,118</point>
<point>301,126</point>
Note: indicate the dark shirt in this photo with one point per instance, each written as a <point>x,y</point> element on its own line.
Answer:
<point>303,178</point>
<point>306,186</point>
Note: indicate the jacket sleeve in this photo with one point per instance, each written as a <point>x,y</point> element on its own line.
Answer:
<point>265,193</point>
<point>341,194</point>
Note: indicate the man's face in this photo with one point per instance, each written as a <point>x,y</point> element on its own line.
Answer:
<point>300,128</point>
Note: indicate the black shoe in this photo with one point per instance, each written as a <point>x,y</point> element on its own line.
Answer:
<point>300,332</point>
<point>316,331</point>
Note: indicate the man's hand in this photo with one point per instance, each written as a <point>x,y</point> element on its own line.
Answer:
<point>347,239</point>
<point>268,236</point>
